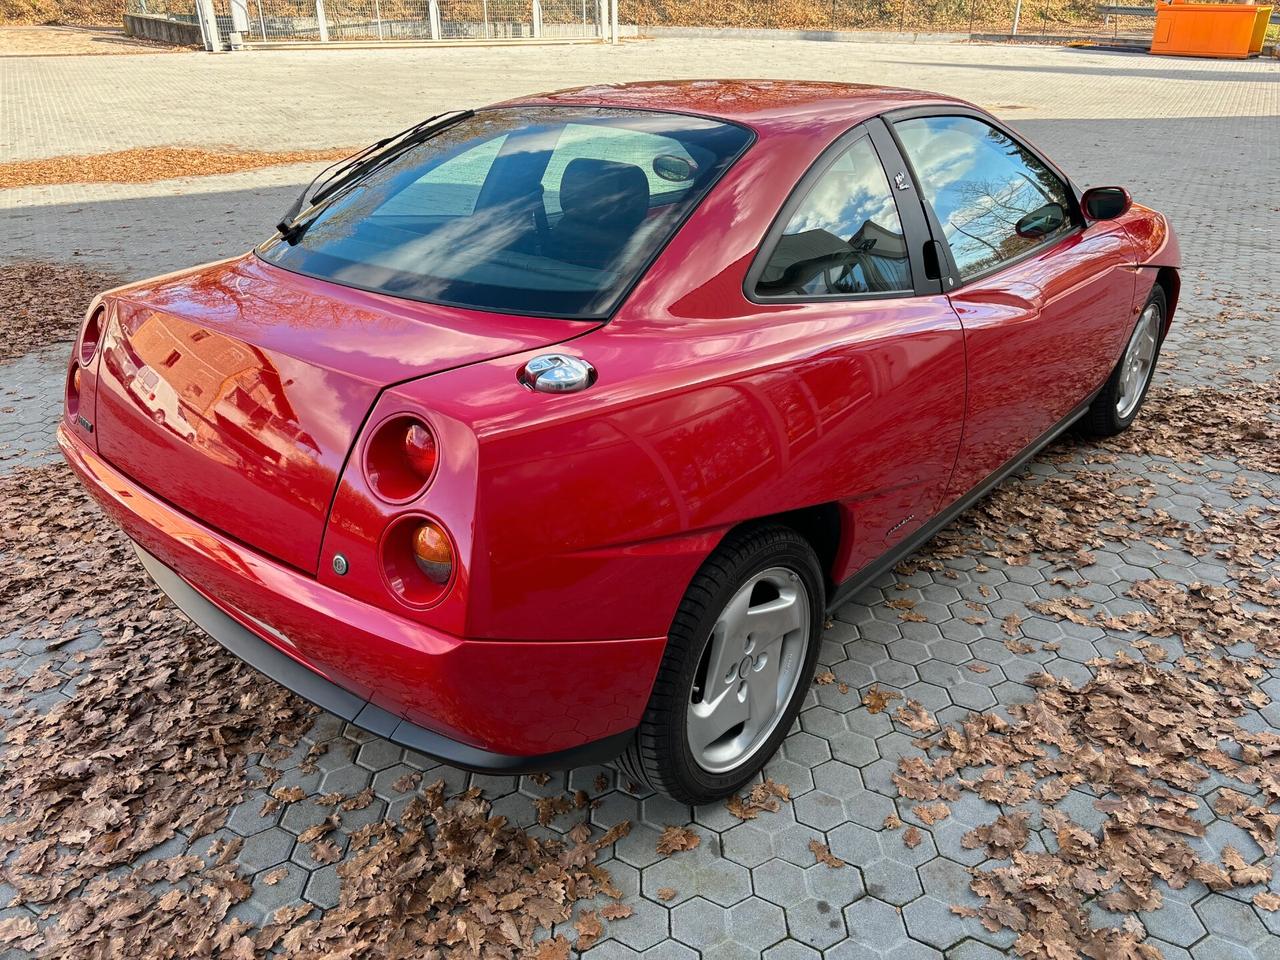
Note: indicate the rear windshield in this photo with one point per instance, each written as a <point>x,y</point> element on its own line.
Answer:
<point>547,211</point>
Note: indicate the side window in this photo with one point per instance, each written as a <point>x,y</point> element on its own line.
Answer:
<point>994,199</point>
<point>668,166</point>
<point>845,236</point>
<point>448,190</point>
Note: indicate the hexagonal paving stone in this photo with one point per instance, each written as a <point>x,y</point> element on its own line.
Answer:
<point>791,950</point>
<point>930,918</point>
<point>266,849</point>
<point>699,923</point>
<point>700,872</point>
<point>875,929</point>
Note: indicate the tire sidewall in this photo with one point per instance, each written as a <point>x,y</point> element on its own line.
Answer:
<point>798,557</point>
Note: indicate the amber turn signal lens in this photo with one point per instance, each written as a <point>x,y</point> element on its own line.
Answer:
<point>420,448</point>
<point>72,399</point>
<point>432,553</point>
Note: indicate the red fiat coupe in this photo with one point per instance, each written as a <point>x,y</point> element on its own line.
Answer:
<point>548,433</point>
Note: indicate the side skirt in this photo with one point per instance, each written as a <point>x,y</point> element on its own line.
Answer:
<point>886,561</point>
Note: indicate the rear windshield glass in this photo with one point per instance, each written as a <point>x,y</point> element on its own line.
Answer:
<point>547,211</point>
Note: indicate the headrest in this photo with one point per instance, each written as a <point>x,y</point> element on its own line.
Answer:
<point>604,190</point>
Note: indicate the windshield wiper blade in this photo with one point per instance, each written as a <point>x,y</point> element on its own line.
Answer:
<point>359,165</point>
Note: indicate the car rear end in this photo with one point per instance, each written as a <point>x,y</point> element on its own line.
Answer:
<point>243,424</point>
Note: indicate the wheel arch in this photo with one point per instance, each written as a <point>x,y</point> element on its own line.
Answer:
<point>821,525</point>
<point>1169,281</point>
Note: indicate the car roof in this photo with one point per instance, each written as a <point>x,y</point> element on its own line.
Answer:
<point>765,105</point>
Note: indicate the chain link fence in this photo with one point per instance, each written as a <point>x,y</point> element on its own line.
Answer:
<point>269,21</point>
<point>257,21</point>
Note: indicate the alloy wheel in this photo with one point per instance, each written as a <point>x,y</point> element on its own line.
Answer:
<point>749,670</point>
<point>1138,362</point>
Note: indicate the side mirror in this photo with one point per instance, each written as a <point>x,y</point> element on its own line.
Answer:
<point>1105,203</point>
<point>1041,222</point>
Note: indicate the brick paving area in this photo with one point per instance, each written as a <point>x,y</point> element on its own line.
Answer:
<point>751,888</point>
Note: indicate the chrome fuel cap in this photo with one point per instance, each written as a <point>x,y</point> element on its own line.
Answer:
<point>557,373</point>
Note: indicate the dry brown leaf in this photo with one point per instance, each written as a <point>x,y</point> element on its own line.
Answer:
<point>822,854</point>
<point>590,928</point>
<point>876,699</point>
<point>676,839</point>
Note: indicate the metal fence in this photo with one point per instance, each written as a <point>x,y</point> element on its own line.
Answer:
<point>1033,18</point>
<point>259,21</point>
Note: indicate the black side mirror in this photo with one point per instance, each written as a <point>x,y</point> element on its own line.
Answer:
<point>1041,222</point>
<point>1105,203</point>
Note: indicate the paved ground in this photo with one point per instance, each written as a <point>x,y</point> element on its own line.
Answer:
<point>58,41</point>
<point>1196,138</point>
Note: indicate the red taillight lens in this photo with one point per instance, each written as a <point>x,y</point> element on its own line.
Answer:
<point>91,335</point>
<point>73,389</point>
<point>400,458</point>
<point>420,448</point>
<point>417,558</point>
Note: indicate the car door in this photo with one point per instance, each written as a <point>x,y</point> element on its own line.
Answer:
<point>1044,302</point>
<point>846,252</point>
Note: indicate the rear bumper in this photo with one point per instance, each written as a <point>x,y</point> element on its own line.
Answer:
<point>490,705</point>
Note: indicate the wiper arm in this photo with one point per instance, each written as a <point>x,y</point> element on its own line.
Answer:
<point>360,165</point>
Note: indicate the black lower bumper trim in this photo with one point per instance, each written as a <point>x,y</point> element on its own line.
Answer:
<point>309,685</point>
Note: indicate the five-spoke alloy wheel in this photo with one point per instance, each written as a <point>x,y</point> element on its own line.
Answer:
<point>1118,402</point>
<point>741,652</point>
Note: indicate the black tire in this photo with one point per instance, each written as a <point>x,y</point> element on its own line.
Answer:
<point>660,755</point>
<point>1103,419</point>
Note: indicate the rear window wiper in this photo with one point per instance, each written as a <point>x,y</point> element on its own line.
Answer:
<point>358,166</point>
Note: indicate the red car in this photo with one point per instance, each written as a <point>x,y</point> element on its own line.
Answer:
<point>549,433</point>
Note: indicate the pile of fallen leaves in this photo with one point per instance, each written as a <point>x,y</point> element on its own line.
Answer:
<point>155,740</point>
<point>1140,739</point>
<point>43,303</point>
<point>1141,736</point>
<point>144,164</point>
<point>453,878</point>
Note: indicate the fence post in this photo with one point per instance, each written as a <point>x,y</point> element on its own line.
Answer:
<point>537,18</point>
<point>239,16</point>
<point>433,14</point>
<point>377,14</point>
<point>1017,15</point>
<point>613,20</point>
<point>321,22</point>
<point>208,20</point>
<point>602,12</point>
<point>262,21</point>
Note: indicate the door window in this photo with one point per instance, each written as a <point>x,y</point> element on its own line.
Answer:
<point>994,199</point>
<point>845,236</point>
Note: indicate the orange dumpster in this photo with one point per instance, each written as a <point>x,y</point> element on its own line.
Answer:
<point>1228,30</point>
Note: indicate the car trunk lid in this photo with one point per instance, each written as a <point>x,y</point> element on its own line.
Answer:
<point>236,391</point>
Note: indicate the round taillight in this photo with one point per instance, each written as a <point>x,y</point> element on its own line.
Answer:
<point>73,390</point>
<point>420,448</point>
<point>417,559</point>
<point>400,458</point>
<point>91,335</point>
